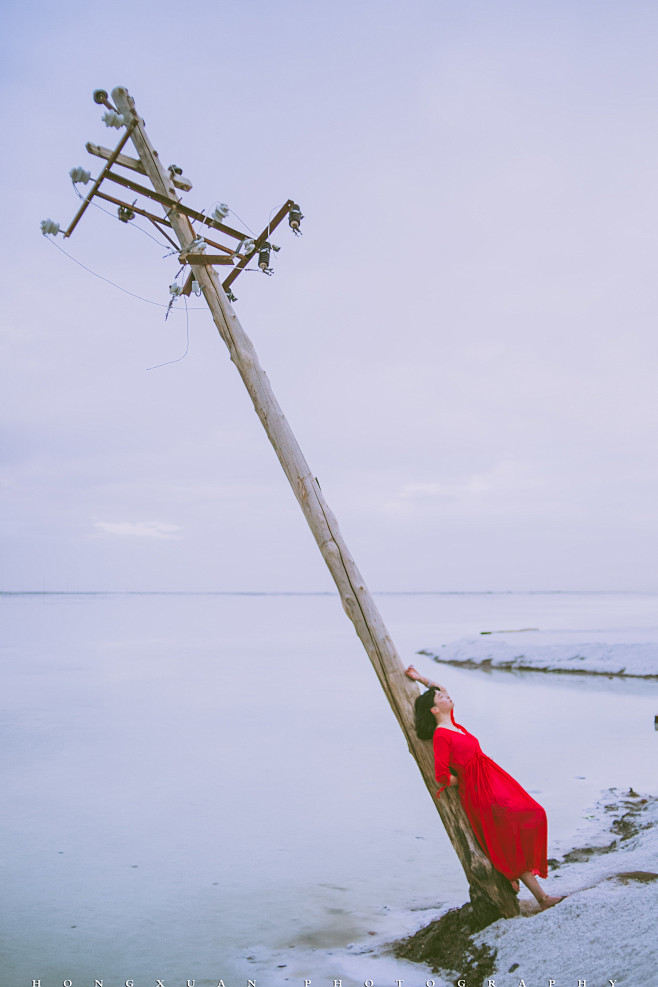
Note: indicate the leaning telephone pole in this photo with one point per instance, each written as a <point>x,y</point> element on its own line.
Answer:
<point>491,893</point>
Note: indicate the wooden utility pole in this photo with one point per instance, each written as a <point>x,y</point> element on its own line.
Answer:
<point>491,893</point>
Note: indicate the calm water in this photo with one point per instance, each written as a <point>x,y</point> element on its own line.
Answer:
<point>206,787</point>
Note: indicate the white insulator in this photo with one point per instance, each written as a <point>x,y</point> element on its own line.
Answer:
<point>195,287</point>
<point>221,211</point>
<point>49,226</point>
<point>80,175</point>
<point>245,245</point>
<point>112,119</point>
<point>175,290</point>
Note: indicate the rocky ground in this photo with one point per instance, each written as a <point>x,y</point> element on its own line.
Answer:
<point>603,931</point>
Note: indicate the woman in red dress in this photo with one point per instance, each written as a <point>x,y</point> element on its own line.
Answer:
<point>509,825</point>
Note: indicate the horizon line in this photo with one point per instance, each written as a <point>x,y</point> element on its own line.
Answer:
<point>335,593</point>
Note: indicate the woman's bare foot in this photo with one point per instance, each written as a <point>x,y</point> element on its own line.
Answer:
<point>548,901</point>
<point>543,900</point>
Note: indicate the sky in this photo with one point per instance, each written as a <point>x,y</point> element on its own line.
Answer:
<point>463,340</point>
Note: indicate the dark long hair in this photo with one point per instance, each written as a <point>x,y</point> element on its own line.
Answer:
<point>424,720</point>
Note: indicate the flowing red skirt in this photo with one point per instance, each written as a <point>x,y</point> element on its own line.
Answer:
<point>509,825</point>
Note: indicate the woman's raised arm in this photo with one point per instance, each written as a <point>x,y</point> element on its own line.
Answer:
<point>412,673</point>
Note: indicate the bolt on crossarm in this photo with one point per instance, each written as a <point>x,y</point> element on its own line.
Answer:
<point>491,893</point>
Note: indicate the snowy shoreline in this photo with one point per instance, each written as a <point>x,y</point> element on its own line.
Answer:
<point>605,928</point>
<point>603,931</point>
<point>634,660</point>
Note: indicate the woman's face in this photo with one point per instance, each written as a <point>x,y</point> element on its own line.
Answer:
<point>442,701</point>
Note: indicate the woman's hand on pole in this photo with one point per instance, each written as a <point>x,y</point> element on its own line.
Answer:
<point>412,673</point>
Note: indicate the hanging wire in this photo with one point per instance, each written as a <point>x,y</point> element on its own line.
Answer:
<point>233,213</point>
<point>107,280</point>
<point>113,283</point>
<point>125,290</point>
<point>168,363</point>
<point>132,294</point>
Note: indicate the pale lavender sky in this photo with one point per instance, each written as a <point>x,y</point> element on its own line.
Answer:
<point>464,339</point>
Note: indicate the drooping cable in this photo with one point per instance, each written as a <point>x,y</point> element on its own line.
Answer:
<point>187,342</point>
<point>100,276</point>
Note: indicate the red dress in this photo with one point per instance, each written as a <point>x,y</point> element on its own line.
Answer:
<point>509,825</point>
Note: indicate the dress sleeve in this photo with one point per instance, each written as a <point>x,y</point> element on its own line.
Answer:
<point>442,751</point>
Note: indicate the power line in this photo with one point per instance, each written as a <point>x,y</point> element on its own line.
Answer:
<point>187,343</point>
<point>100,276</point>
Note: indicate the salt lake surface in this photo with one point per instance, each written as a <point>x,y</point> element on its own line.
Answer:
<point>205,787</point>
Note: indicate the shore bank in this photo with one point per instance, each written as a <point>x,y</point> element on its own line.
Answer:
<point>603,931</point>
<point>635,660</point>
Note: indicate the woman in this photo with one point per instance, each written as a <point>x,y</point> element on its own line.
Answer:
<point>509,825</point>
